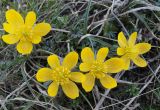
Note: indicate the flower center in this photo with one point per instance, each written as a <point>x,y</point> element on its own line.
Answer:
<point>130,52</point>
<point>97,69</point>
<point>61,75</point>
<point>25,32</point>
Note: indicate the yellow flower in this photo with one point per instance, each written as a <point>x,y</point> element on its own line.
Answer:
<point>98,67</point>
<point>131,51</point>
<point>24,32</point>
<point>61,74</point>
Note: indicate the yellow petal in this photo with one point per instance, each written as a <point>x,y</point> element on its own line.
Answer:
<point>88,84</point>
<point>139,61</point>
<point>53,61</point>
<point>99,74</point>
<point>10,39</point>
<point>24,47</point>
<point>9,28</point>
<point>70,60</point>
<point>85,67</point>
<point>132,39</point>
<point>30,18</point>
<point>71,90</point>
<point>87,55</point>
<point>122,40</point>
<point>108,82</point>
<point>102,54</point>
<point>53,89</point>
<point>77,77</point>
<point>44,74</point>
<point>127,62</point>
<point>142,48</point>
<point>41,29</point>
<point>36,39</point>
<point>14,18</point>
<point>114,65</point>
<point>120,51</point>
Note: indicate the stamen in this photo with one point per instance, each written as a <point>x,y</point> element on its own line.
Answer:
<point>61,75</point>
<point>97,69</point>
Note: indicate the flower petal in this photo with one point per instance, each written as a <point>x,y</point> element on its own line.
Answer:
<point>142,48</point>
<point>88,84</point>
<point>102,54</point>
<point>122,41</point>
<point>87,55</point>
<point>77,77</point>
<point>70,60</point>
<point>114,65</point>
<point>71,90</point>
<point>14,18</point>
<point>139,61</point>
<point>10,39</point>
<point>53,61</point>
<point>53,89</point>
<point>9,28</point>
<point>30,18</point>
<point>41,29</point>
<point>126,61</point>
<point>85,67</point>
<point>108,82</point>
<point>44,74</point>
<point>36,39</point>
<point>24,47</point>
<point>120,51</point>
<point>132,39</point>
<point>99,74</point>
